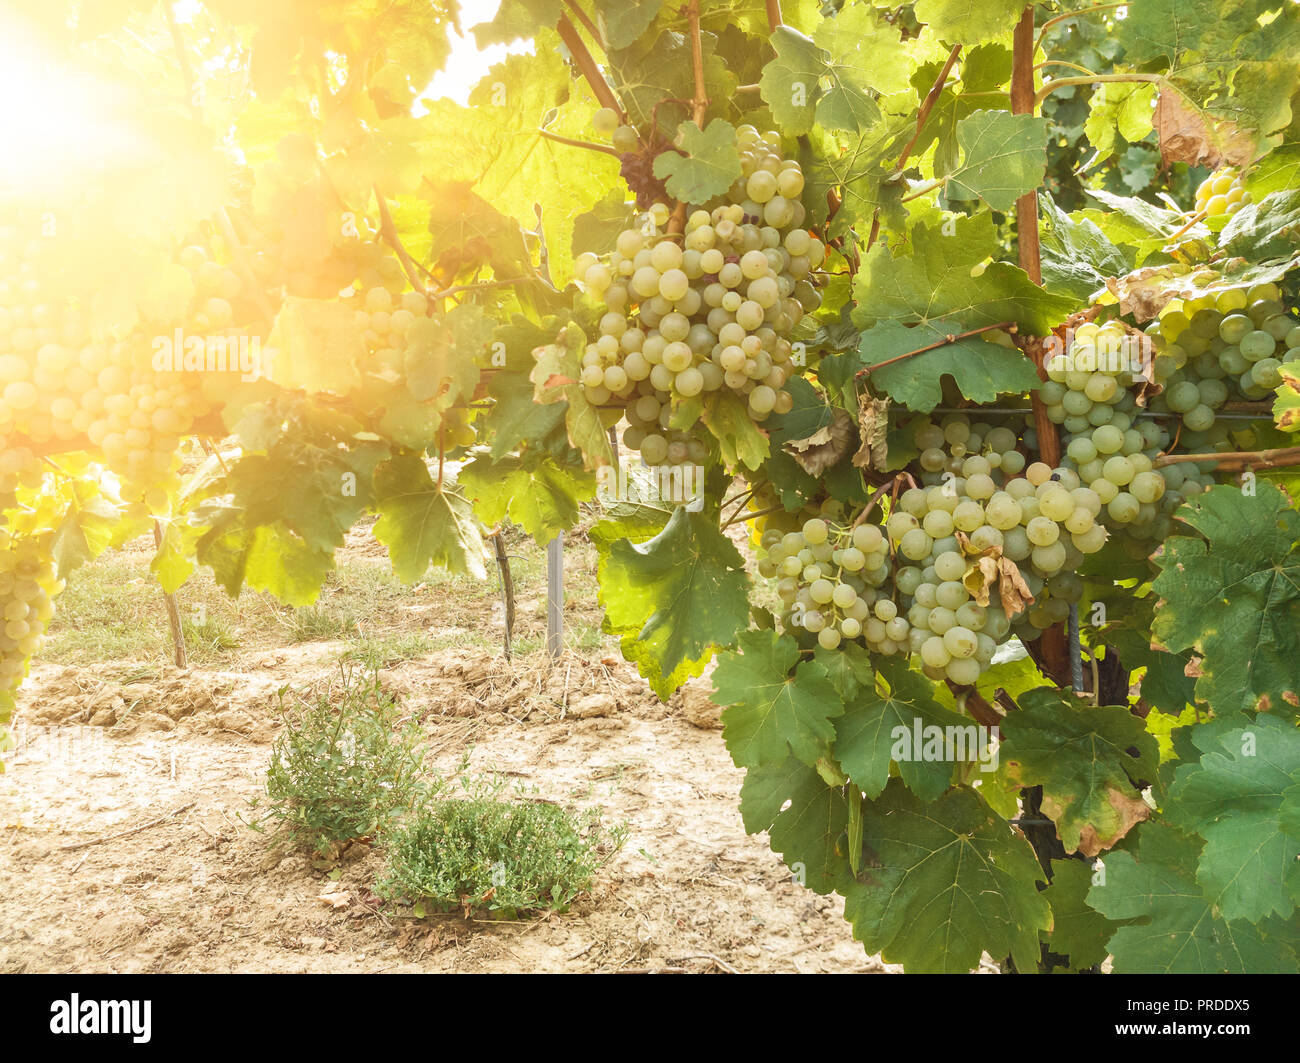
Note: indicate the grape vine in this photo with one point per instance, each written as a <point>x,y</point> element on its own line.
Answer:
<point>987,436</point>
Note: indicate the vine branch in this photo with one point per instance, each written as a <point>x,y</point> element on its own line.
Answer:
<point>1093,79</point>
<point>590,69</point>
<point>1239,460</point>
<point>388,230</point>
<point>927,105</point>
<point>1042,30</point>
<point>578,143</point>
<point>585,19</point>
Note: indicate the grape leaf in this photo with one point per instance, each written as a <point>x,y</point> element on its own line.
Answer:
<point>1176,929</point>
<point>441,358</point>
<point>941,280</point>
<point>1004,155</point>
<point>1269,229</point>
<point>1078,931</point>
<point>774,709</point>
<point>625,20</point>
<point>804,817</point>
<point>1235,597</point>
<point>1088,761</point>
<point>945,881</point>
<point>1233,798</point>
<point>674,600</point>
<point>867,735</point>
<point>742,442</point>
<point>867,52</point>
<point>316,345</point>
<point>706,166</point>
<point>1119,107</point>
<point>981,370</point>
<point>86,529</point>
<point>536,492</point>
<point>791,83</point>
<point>515,19</point>
<point>266,557</point>
<point>969,21</point>
<point>1077,257</point>
<point>423,524</point>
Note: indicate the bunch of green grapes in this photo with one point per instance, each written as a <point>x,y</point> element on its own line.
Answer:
<point>1090,379</point>
<point>1045,520</point>
<point>1223,347</point>
<point>1221,193</point>
<point>909,587</point>
<point>60,385</point>
<point>828,577</point>
<point>708,310</point>
<point>28,585</point>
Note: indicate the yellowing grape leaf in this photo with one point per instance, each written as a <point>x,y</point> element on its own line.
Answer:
<point>1088,761</point>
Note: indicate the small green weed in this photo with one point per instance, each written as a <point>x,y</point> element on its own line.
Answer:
<point>341,771</point>
<point>471,847</point>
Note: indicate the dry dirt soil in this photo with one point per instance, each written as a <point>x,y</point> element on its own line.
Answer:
<point>122,846</point>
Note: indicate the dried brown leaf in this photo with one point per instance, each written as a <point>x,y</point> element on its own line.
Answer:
<point>825,447</point>
<point>1187,136</point>
<point>1012,587</point>
<point>873,430</point>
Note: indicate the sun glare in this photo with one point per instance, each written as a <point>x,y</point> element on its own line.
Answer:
<point>468,63</point>
<point>57,122</point>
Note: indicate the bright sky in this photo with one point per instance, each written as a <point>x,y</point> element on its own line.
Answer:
<point>467,64</point>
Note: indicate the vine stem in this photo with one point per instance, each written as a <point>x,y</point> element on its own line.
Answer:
<point>774,20</point>
<point>927,105</point>
<point>590,69</point>
<point>922,113</point>
<point>504,282</point>
<point>1042,30</point>
<point>1095,79</point>
<point>585,19</point>
<point>1029,253</point>
<point>700,104</point>
<point>1200,215</point>
<point>578,143</point>
<point>753,516</point>
<point>388,230</point>
<point>938,343</point>
<point>1238,460</point>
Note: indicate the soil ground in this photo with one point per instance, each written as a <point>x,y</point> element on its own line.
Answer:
<point>123,846</point>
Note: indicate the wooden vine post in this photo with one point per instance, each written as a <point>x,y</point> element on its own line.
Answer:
<point>1023,101</point>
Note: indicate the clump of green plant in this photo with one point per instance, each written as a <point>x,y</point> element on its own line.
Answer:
<point>208,639</point>
<point>473,847</point>
<point>343,768</point>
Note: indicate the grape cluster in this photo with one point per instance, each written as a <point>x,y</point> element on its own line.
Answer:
<point>1090,379</point>
<point>910,586</point>
<point>1222,347</point>
<point>1221,193</point>
<point>707,310</point>
<point>28,585</point>
<point>385,318</point>
<point>59,384</point>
